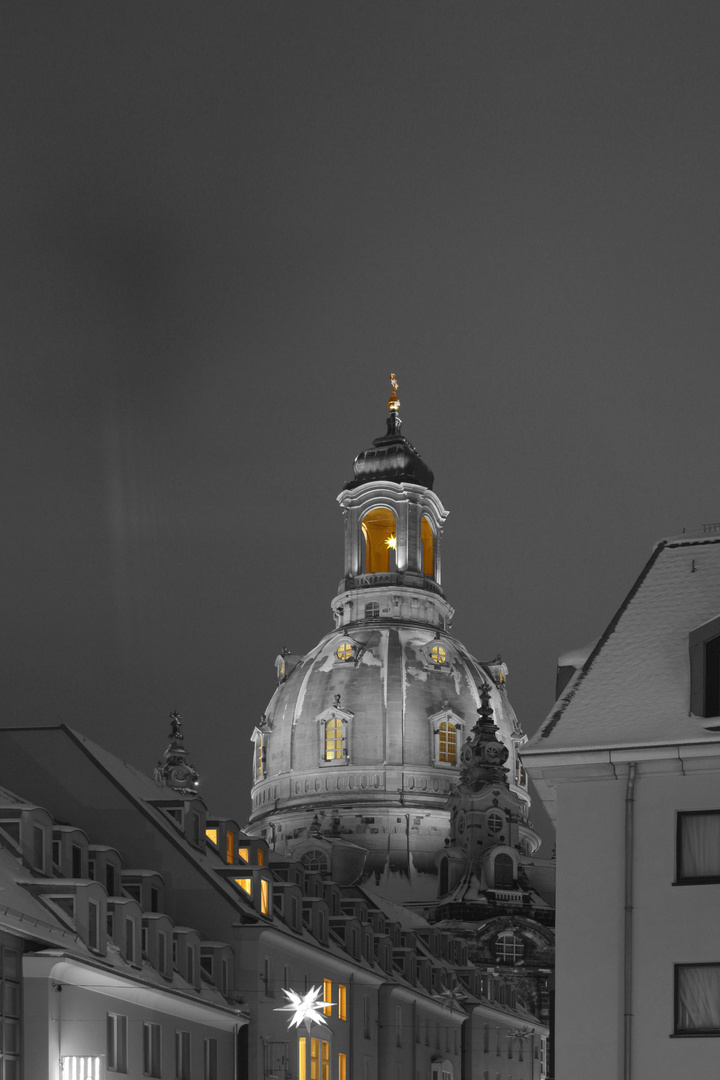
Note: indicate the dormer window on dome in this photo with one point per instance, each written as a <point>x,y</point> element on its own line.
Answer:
<point>438,654</point>
<point>344,651</point>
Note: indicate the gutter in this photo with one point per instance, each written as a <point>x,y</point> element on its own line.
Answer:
<point>628,934</point>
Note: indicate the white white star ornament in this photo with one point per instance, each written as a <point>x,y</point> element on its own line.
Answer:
<point>305,1009</point>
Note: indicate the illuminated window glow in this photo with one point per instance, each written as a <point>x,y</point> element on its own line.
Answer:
<point>264,896</point>
<point>334,738</point>
<point>342,1003</point>
<point>80,1068</point>
<point>259,758</point>
<point>244,854</point>
<point>447,742</point>
<point>426,537</point>
<point>344,651</point>
<point>342,1067</point>
<point>230,846</point>
<point>260,858</point>
<point>438,654</point>
<point>380,531</point>
<point>212,835</point>
<point>327,994</point>
<point>314,1059</point>
<point>325,1049</point>
<point>245,883</point>
<point>302,1059</point>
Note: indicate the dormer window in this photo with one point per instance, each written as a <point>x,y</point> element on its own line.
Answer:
<point>259,739</point>
<point>704,645</point>
<point>446,732</point>
<point>344,651</point>
<point>438,654</point>
<point>334,739</point>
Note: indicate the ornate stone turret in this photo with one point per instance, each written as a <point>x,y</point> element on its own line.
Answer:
<point>173,770</point>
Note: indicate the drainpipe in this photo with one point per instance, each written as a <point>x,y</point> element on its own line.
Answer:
<point>628,942</point>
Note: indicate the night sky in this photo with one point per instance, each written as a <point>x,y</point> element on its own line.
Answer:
<point>224,225</point>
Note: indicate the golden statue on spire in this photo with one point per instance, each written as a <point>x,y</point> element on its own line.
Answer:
<point>394,402</point>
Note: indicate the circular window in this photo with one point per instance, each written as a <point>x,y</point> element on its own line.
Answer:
<point>344,651</point>
<point>437,654</point>
<point>494,822</point>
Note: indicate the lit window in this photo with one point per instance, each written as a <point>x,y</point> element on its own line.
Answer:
<point>245,883</point>
<point>244,854</point>
<point>698,846</point>
<point>697,999</point>
<point>342,1002</point>
<point>334,738</point>
<point>327,995</point>
<point>426,538</point>
<point>260,857</point>
<point>344,651</point>
<point>380,532</point>
<point>314,1059</point>
<point>264,896</point>
<point>447,741</point>
<point>325,1061</point>
<point>342,1067</point>
<point>259,758</point>
<point>282,669</point>
<point>509,948</point>
<point>230,846</point>
<point>438,654</point>
<point>302,1059</point>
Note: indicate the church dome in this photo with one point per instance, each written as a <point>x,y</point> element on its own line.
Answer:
<point>391,457</point>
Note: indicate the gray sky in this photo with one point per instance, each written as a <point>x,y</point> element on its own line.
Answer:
<point>224,225</point>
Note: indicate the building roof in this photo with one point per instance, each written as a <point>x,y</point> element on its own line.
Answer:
<point>634,687</point>
<point>391,457</point>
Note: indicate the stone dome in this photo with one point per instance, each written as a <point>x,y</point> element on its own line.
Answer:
<point>362,741</point>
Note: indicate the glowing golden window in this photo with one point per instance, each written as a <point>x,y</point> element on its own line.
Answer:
<point>426,537</point>
<point>327,995</point>
<point>264,897</point>
<point>302,1059</point>
<point>447,742</point>
<point>211,835</point>
<point>342,1067</point>
<point>245,884</point>
<point>244,854</point>
<point>380,533</point>
<point>282,669</point>
<point>260,858</point>
<point>259,758</point>
<point>325,1075</point>
<point>334,738</point>
<point>314,1059</point>
<point>342,1003</point>
<point>230,847</point>
<point>438,654</point>
<point>344,651</point>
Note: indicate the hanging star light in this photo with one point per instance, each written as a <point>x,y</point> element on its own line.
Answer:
<point>305,1009</point>
<point>452,998</point>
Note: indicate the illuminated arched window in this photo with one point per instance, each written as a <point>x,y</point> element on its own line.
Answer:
<point>260,758</point>
<point>334,739</point>
<point>509,948</point>
<point>427,539</point>
<point>447,742</point>
<point>438,654</point>
<point>380,532</point>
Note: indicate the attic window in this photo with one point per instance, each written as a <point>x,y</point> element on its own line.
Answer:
<point>344,651</point>
<point>705,669</point>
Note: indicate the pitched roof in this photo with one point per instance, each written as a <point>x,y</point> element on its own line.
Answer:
<point>634,688</point>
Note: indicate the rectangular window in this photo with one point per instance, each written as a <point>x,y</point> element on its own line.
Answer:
<point>190,954</point>
<point>39,848</point>
<point>182,1055</point>
<point>342,1002</point>
<point>116,1042</point>
<point>697,999</point>
<point>56,850</point>
<point>226,976</point>
<point>110,879</point>
<point>245,884</point>
<point>152,1065</point>
<point>264,896</point>
<point>268,977</point>
<point>162,953</point>
<point>230,846</point>
<point>144,941</point>
<point>260,858</point>
<point>76,861</point>
<point>94,925</point>
<point>210,1060</point>
<point>154,899</point>
<point>244,854</point>
<point>342,1067</point>
<point>698,846</point>
<point>314,1059</point>
<point>398,1025</point>
<point>327,996</point>
<point>302,1059</point>
<point>130,941</point>
<point>366,1016</point>
<point>325,1060</point>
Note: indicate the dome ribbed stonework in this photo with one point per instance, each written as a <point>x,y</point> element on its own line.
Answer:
<point>391,457</point>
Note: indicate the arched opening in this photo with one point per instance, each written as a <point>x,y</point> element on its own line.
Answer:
<point>427,538</point>
<point>380,532</point>
<point>504,871</point>
<point>509,948</point>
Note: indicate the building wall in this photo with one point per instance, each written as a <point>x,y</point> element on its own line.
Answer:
<point>671,924</point>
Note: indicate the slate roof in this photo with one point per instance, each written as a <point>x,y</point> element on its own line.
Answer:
<point>634,688</point>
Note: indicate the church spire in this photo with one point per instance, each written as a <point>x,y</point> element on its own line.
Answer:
<point>484,754</point>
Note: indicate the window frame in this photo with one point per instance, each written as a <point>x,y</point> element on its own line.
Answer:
<point>685,879</point>
<point>117,1042</point>
<point>691,1033</point>
<point>152,1049</point>
<point>446,716</point>
<point>698,641</point>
